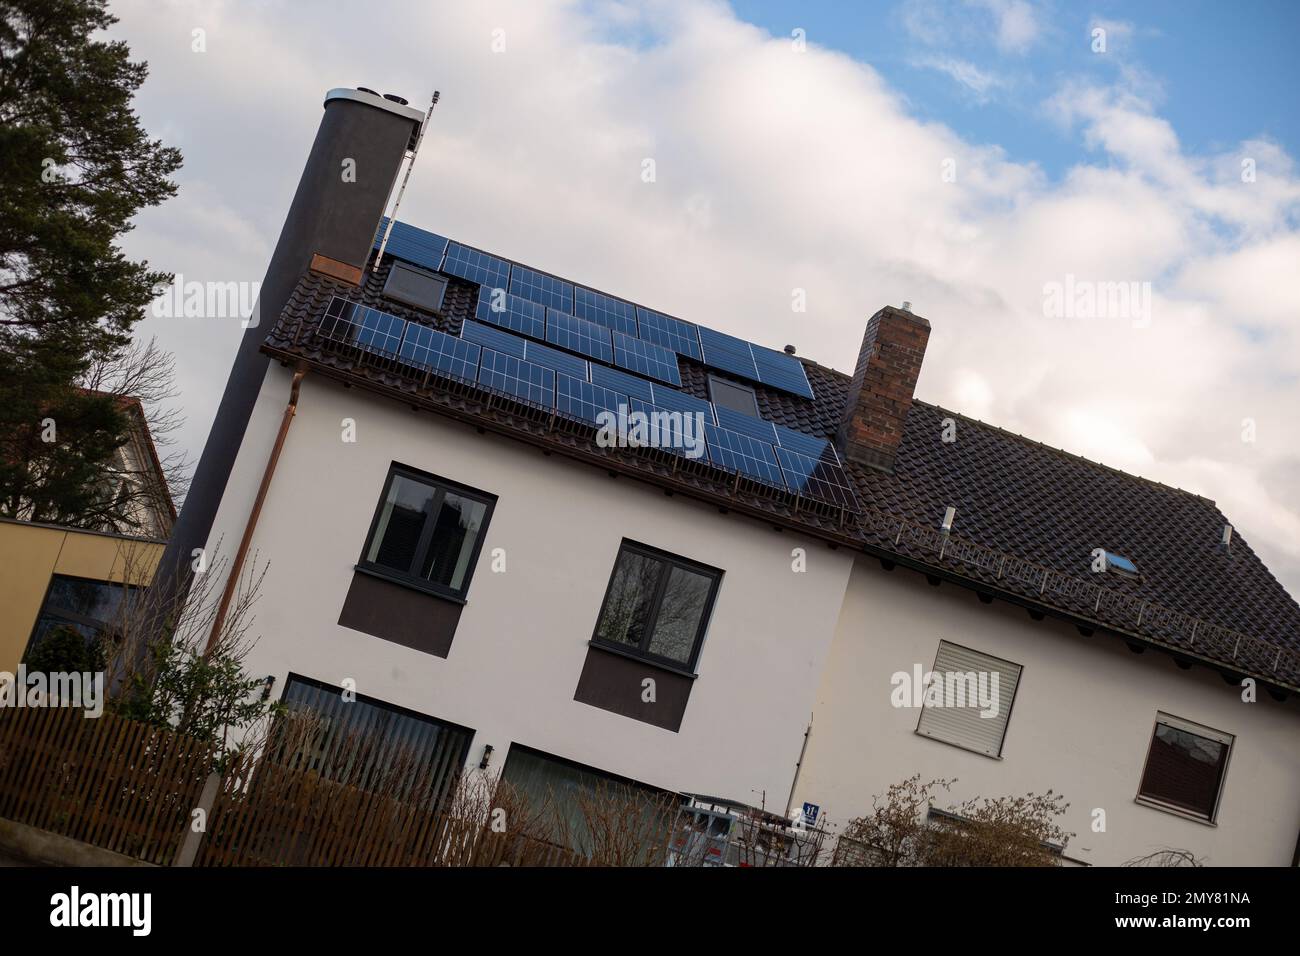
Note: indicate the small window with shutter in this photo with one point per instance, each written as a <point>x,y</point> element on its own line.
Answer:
<point>968,699</point>
<point>1185,767</point>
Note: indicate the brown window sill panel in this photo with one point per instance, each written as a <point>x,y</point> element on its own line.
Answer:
<point>397,612</point>
<point>612,680</point>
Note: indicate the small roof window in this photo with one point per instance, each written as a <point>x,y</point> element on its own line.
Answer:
<point>415,287</point>
<point>1121,565</point>
<point>738,398</point>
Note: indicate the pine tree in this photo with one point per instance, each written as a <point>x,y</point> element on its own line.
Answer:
<point>75,167</point>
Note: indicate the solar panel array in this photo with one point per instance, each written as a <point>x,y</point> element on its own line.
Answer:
<point>363,327</point>
<point>817,478</point>
<point>605,310</point>
<point>476,266</point>
<point>429,348</point>
<point>622,382</point>
<point>569,302</point>
<point>736,452</point>
<point>645,358</point>
<point>746,425</point>
<point>781,371</point>
<point>511,312</point>
<point>803,444</point>
<point>492,338</point>
<point>728,353</point>
<point>540,354</point>
<point>414,245</point>
<point>682,337</point>
<point>538,287</point>
<point>524,380</point>
<point>675,401</point>
<point>670,430</point>
<point>813,469</point>
<point>579,335</point>
<point>581,399</point>
<point>547,377</point>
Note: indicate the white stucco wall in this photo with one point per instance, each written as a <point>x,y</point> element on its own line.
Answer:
<point>522,638</point>
<point>1081,725</point>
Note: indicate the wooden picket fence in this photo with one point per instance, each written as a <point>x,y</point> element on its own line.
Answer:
<point>291,817</point>
<point>133,788</point>
<point>107,781</point>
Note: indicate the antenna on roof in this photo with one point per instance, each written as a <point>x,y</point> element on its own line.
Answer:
<point>1227,535</point>
<point>415,151</point>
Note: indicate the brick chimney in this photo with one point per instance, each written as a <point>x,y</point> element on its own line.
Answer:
<point>875,409</point>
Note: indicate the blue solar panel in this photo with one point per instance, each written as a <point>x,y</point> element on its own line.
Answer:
<point>537,287</point>
<point>622,382</point>
<point>492,338</point>
<point>605,310</point>
<point>511,312</point>
<point>671,333</point>
<point>746,425</point>
<point>555,359</point>
<point>578,335</point>
<point>667,429</point>
<point>585,401</point>
<point>781,371</point>
<point>740,453</point>
<point>363,327</point>
<point>673,400</point>
<point>524,380</point>
<point>414,245</point>
<point>646,359</point>
<point>728,353</point>
<point>819,478</point>
<point>805,444</point>
<point>476,266</point>
<point>429,348</point>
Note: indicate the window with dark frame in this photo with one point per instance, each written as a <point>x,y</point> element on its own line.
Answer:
<point>370,744</point>
<point>427,532</point>
<point>1185,767</point>
<point>657,606</point>
<point>738,398</point>
<point>79,604</point>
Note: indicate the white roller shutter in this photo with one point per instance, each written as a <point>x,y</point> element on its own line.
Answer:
<point>965,677</point>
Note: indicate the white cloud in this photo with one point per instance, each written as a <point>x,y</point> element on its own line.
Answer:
<point>1017,23</point>
<point>976,81</point>
<point>1011,26</point>
<point>777,170</point>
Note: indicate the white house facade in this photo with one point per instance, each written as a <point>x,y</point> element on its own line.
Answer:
<point>415,445</point>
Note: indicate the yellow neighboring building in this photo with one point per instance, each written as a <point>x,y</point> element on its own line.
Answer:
<point>54,576</point>
<point>63,576</point>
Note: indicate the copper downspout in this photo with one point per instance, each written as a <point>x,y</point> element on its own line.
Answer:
<point>238,565</point>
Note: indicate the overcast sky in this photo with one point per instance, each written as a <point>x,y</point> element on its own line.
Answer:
<point>957,155</point>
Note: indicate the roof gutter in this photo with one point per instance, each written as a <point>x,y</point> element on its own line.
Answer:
<point>237,567</point>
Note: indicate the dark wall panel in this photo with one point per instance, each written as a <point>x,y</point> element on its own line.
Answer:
<point>613,682</point>
<point>399,614</point>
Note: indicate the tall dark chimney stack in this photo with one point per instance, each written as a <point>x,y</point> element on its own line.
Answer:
<point>876,407</point>
<point>332,221</point>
